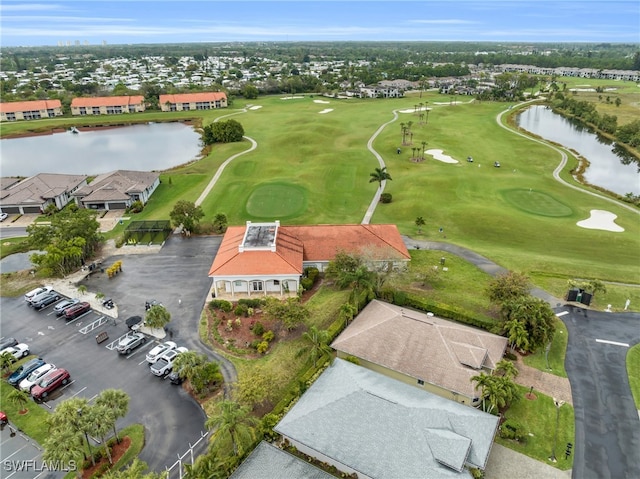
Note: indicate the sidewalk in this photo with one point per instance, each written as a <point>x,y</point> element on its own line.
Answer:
<point>546,383</point>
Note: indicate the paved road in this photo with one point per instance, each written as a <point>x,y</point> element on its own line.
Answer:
<point>607,423</point>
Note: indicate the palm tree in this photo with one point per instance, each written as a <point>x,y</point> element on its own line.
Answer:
<point>482,381</point>
<point>361,281</point>
<point>65,446</point>
<point>348,311</point>
<point>186,363</point>
<point>506,369</point>
<point>117,401</point>
<point>420,223</point>
<point>69,416</point>
<point>403,129</point>
<point>82,289</point>
<point>6,360</point>
<point>233,428</point>
<point>379,175</point>
<point>319,340</point>
<point>516,334</point>
<point>19,398</point>
<point>424,145</point>
<point>102,420</point>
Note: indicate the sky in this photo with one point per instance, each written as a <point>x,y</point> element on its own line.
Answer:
<point>93,22</point>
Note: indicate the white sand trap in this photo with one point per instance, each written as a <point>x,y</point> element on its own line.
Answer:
<point>326,110</point>
<point>291,97</point>
<point>448,102</point>
<point>321,101</point>
<point>437,154</point>
<point>601,220</point>
<point>256,107</point>
<point>424,108</point>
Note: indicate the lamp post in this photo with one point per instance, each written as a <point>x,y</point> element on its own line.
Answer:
<point>86,436</point>
<point>558,403</point>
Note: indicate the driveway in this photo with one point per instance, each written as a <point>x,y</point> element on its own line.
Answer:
<point>177,277</point>
<point>607,424</point>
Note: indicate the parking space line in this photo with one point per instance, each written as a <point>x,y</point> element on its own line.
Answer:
<point>615,343</point>
<point>141,348</point>
<point>15,452</point>
<point>562,313</point>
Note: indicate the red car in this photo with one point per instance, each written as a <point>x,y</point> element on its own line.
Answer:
<point>76,310</point>
<point>49,383</point>
<point>3,419</point>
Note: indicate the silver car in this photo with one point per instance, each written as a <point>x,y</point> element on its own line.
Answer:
<point>131,342</point>
<point>34,377</point>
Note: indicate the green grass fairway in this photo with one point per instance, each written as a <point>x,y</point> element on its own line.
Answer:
<point>276,201</point>
<point>536,203</point>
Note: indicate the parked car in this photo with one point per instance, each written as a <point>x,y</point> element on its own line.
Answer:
<point>175,378</point>
<point>7,342</point>
<point>4,420</point>
<point>45,300</point>
<point>27,383</point>
<point>76,310</point>
<point>23,371</point>
<point>18,351</point>
<point>159,350</point>
<point>164,364</point>
<point>34,292</point>
<point>64,304</point>
<point>49,383</point>
<point>131,342</point>
<point>134,322</point>
<point>3,216</point>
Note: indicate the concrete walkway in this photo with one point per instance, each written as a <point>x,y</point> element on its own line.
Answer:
<point>504,463</point>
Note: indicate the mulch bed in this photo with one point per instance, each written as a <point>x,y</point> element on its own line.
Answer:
<point>117,451</point>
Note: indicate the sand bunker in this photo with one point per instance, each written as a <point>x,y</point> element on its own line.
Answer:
<point>326,110</point>
<point>321,101</point>
<point>291,97</point>
<point>437,154</point>
<point>256,107</point>
<point>424,108</point>
<point>601,220</point>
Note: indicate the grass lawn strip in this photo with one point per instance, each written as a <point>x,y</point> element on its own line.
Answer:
<point>633,370</point>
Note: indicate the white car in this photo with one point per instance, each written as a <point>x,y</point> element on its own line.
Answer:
<point>34,377</point>
<point>159,350</point>
<point>3,216</point>
<point>164,364</point>
<point>18,351</point>
<point>34,292</point>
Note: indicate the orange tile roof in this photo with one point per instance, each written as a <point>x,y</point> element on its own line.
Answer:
<point>287,259</point>
<point>107,101</point>
<point>192,97</point>
<point>295,244</point>
<point>15,106</point>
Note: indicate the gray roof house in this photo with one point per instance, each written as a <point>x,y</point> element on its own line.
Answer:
<point>365,423</point>
<point>269,462</point>
<point>420,349</point>
<point>34,194</point>
<point>116,190</point>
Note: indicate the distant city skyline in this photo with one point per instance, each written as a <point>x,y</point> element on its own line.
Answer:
<point>70,22</point>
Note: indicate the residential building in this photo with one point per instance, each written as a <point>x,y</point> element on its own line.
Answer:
<point>421,349</point>
<point>267,461</point>
<point>35,194</point>
<point>107,105</point>
<point>193,101</point>
<point>267,258</point>
<point>30,110</point>
<point>117,190</point>
<point>365,423</point>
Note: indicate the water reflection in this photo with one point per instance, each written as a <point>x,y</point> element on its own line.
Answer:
<point>610,165</point>
<point>143,147</point>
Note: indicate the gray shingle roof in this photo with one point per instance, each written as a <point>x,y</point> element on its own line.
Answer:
<point>39,188</point>
<point>424,347</point>
<point>268,462</point>
<point>385,428</point>
<point>117,185</point>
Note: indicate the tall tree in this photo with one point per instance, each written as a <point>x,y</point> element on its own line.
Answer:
<point>70,417</point>
<point>420,223</point>
<point>537,317</point>
<point>117,401</point>
<point>64,446</point>
<point>102,420</point>
<point>318,341</point>
<point>233,428</point>
<point>379,175</point>
<point>157,316</point>
<point>187,214</point>
<point>516,334</point>
<point>508,286</point>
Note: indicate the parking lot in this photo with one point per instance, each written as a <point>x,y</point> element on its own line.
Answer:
<point>176,277</point>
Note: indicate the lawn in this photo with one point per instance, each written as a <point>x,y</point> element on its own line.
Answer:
<point>538,417</point>
<point>556,353</point>
<point>633,369</point>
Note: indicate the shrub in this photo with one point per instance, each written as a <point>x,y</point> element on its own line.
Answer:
<point>258,329</point>
<point>268,336</point>
<point>262,347</point>
<point>136,207</point>
<point>306,283</point>
<point>312,273</point>
<point>251,303</point>
<point>241,310</point>
<point>385,198</point>
<point>221,304</point>
<point>511,429</point>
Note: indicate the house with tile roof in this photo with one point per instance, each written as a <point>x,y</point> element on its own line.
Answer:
<point>193,101</point>
<point>421,350</point>
<point>117,190</point>
<point>269,258</point>
<point>30,110</point>
<point>366,423</point>
<point>107,105</point>
<point>35,194</point>
<point>267,461</point>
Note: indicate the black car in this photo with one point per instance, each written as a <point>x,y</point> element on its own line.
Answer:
<point>174,377</point>
<point>46,300</point>
<point>7,343</point>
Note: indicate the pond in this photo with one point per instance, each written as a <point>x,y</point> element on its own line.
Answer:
<point>143,147</point>
<point>17,262</point>
<point>610,166</point>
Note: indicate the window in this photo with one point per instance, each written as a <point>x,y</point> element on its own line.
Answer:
<point>237,283</point>
<point>276,282</point>
<point>256,285</point>
<point>420,382</point>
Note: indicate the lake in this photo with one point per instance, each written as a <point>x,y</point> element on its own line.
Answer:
<point>142,147</point>
<point>608,168</point>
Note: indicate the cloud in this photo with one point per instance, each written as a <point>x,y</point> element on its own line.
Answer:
<point>29,7</point>
<point>451,21</point>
